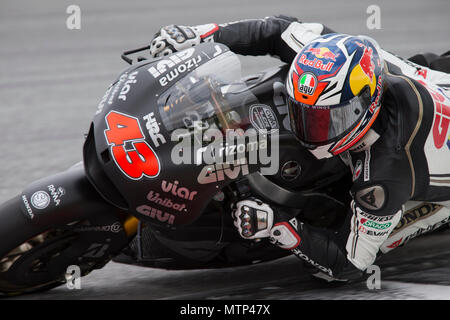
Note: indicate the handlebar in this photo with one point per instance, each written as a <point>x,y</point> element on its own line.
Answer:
<point>128,60</point>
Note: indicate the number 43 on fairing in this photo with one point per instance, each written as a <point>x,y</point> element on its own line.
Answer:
<point>131,153</point>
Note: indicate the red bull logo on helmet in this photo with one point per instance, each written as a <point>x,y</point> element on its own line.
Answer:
<point>323,53</point>
<point>316,63</point>
<point>320,54</point>
<point>366,61</point>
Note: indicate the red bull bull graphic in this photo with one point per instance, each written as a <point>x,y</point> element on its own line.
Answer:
<point>323,53</point>
<point>366,62</point>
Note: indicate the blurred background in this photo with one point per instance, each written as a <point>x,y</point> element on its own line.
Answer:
<point>52,78</point>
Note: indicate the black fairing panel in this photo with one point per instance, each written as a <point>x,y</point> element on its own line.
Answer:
<point>178,198</point>
<point>174,195</point>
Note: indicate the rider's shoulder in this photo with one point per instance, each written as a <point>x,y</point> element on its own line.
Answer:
<point>402,88</point>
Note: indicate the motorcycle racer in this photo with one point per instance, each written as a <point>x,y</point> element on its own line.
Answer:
<point>385,117</point>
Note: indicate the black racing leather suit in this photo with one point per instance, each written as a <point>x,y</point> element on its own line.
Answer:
<point>406,159</point>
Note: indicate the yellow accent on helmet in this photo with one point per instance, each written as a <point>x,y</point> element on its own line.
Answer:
<point>358,80</point>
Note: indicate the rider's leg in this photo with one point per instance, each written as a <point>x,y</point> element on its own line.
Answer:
<point>418,218</point>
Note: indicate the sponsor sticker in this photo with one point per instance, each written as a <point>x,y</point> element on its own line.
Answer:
<point>395,244</point>
<point>441,123</point>
<point>131,78</point>
<point>219,172</point>
<point>30,213</point>
<point>153,129</point>
<point>114,228</point>
<point>262,117</point>
<point>374,224</point>
<point>121,88</point>
<point>102,102</point>
<point>416,214</point>
<point>371,198</point>
<point>40,200</point>
<point>156,214</point>
<point>175,65</point>
<point>166,202</point>
<point>178,191</point>
<point>307,83</point>
<point>316,63</point>
<point>367,166</point>
<point>291,170</point>
<point>56,193</point>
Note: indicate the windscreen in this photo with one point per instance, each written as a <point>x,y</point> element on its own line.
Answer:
<point>210,96</point>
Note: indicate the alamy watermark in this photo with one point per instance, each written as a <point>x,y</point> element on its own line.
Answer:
<point>374,19</point>
<point>373,282</point>
<point>231,146</point>
<point>73,277</point>
<point>73,21</point>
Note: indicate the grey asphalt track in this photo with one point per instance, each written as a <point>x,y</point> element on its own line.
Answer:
<point>52,78</point>
<point>418,271</point>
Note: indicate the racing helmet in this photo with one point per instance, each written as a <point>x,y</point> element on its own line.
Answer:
<point>334,86</point>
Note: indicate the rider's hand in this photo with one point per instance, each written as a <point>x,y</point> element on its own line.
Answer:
<point>253,219</point>
<point>173,38</point>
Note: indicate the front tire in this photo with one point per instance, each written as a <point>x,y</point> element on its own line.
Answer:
<point>35,258</point>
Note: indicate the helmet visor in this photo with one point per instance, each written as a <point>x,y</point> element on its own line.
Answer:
<point>319,125</point>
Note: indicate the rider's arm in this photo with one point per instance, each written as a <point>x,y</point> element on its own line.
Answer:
<point>400,66</point>
<point>280,36</point>
<point>322,251</point>
<point>384,177</point>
